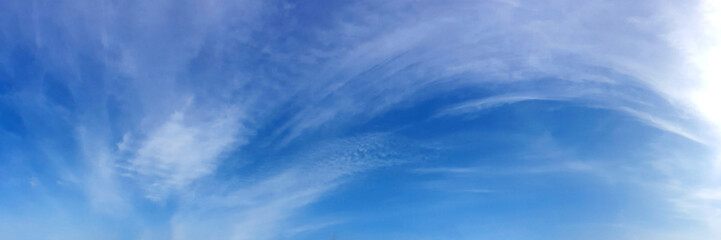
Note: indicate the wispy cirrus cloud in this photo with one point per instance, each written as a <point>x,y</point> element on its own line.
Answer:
<point>119,75</point>
<point>495,101</point>
<point>261,208</point>
<point>570,166</point>
<point>182,150</point>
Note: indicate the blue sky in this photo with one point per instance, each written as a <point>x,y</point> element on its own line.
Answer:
<point>498,119</point>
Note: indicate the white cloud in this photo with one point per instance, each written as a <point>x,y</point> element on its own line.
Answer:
<point>450,170</point>
<point>100,181</point>
<point>554,167</point>
<point>495,101</point>
<point>315,226</point>
<point>664,125</point>
<point>182,150</point>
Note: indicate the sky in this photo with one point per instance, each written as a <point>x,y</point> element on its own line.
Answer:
<point>404,119</point>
